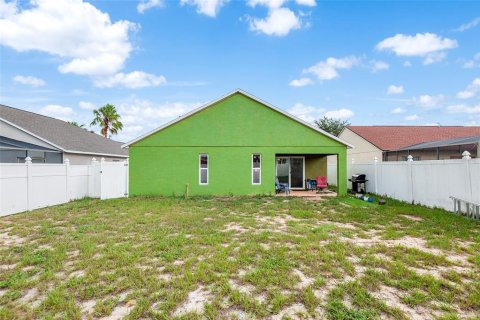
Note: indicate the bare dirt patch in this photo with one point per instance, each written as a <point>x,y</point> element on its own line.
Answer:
<point>304,280</point>
<point>233,226</point>
<point>412,218</point>
<point>10,240</point>
<point>296,311</point>
<point>195,302</point>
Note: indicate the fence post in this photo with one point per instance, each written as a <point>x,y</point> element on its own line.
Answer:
<point>66,162</point>
<point>28,163</point>
<point>102,162</point>
<point>126,177</point>
<point>466,157</point>
<point>410,177</point>
<point>375,162</point>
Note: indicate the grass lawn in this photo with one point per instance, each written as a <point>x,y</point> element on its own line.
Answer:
<point>239,258</point>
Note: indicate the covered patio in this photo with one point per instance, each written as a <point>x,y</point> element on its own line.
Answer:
<point>308,194</point>
<point>299,172</point>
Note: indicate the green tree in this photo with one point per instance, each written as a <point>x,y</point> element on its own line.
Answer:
<point>333,126</point>
<point>108,119</point>
<point>76,124</point>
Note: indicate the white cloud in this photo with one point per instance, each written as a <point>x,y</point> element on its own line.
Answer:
<point>340,114</point>
<point>7,8</point>
<point>461,108</point>
<point>308,3</point>
<point>86,105</point>
<point>301,82</point>
<point>29,80</point>
<point>145,5</point>
<point>379,65</point>
<point>272,4</point>
<point>472,24</point>
<point>471,90</point>
<point>207,7</point>
<point>398,110</point>
<point>140,116</point>
<point>412,117</point>
<point>279,22</point>
<point>57,111</point>
<point>427,45</point>
<point>407,64</point>
<point>306,113</point>
<point>392,89</point>
<point>428,101</point>
<point>133,80</point>
<point>434,57</point>
<point>81,35</point>
<point>328,69</point>
<point>475,62</point>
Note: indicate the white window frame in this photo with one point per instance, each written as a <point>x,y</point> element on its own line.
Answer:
<point>200,169</point>
<point>259,169</point>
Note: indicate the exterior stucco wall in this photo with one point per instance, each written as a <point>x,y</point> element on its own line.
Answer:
<point>229,132</point>
<point>315,166</point>
<point>363,150</point>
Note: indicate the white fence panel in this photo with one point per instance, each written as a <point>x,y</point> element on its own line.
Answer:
<point>430,183</point>
<point>13,188</point>
<point>475,179</point>
<point>332,173</point>
<point>47,185</point>
<point>30,186</point>
<point>78,181</point>
<point>392,180</point>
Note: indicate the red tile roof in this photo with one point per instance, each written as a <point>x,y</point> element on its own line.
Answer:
<point>390,138</point>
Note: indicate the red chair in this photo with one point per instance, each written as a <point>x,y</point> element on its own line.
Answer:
<point>322,183</point>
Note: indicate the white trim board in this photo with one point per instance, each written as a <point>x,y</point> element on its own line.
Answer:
<point>168,124</point>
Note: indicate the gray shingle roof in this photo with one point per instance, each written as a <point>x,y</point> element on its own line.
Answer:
<point>62,134</point>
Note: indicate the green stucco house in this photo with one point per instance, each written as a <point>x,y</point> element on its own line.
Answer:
<point>235,145</point>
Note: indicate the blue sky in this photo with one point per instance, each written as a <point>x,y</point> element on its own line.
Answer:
<point>379,62</point>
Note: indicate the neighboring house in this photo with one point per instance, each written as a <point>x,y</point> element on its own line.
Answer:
<point>395,143</point>
<point>235,145</point>
<point>48,140</point>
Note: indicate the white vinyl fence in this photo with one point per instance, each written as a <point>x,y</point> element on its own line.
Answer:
<point>430,183</point>
<point>28,186</point>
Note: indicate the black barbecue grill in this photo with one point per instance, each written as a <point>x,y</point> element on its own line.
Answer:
<point>358,183</point>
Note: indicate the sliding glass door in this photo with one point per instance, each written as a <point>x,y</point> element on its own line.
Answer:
<point>291,170</point>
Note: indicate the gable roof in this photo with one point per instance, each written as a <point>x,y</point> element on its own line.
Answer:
<point>61,134</point>
<point>266,104</point>
<point>391,138</point>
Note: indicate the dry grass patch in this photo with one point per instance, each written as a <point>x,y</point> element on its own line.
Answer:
<point>238,258</point>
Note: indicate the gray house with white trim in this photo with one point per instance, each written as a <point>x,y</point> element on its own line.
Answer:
<point>49,140</point>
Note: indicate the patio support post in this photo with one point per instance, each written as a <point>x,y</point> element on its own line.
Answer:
<point>342,173</point>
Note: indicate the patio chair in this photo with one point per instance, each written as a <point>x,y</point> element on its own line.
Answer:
<point>311,184</point>
<point>279,187</point>
<point>321,183</point>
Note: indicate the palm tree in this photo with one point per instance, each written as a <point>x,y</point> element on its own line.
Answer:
<point>108,119</point>
<point>76,124</point>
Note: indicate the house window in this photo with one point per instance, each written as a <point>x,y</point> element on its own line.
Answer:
<point>256,169</point>
<point>203,169</point>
